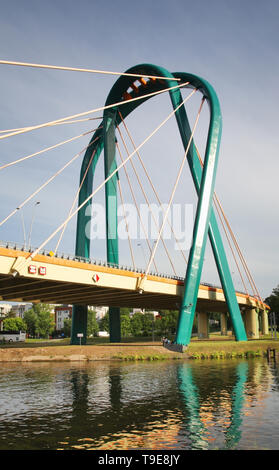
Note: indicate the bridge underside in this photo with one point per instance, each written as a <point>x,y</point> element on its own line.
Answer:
<point>62,281</point>
<point>27,290</point>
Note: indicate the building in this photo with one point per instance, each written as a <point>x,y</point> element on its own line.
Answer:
<point>62,313</point>
<point>19,309</point>
<point>4,311</point>
<point>100,311</point>
<point>143,311</point>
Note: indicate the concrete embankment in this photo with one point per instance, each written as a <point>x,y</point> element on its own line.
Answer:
<point>49,352</point>
<point>86,353</point>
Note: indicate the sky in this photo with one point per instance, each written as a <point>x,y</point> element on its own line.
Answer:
<point>231,44</point>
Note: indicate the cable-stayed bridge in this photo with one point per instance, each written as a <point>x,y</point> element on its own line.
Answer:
<point>42,275</point>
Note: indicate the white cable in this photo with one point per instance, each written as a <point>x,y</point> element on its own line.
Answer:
<point>44,185</point>
<point>76,69</point>
<point>45,150</point>
<point>5,131</point>
<point>174,190</point>
<point>120,103</point>
<point>110,176</point>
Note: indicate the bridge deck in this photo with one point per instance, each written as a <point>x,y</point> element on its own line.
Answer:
<point>65,281</point>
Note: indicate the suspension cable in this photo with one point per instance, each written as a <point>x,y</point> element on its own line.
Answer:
<point>135,202</point>
<point>5,131</point>
<point>110,176</point>
<point>242,259</point>
<point>126,223</point>
<point>46,183</point>
<point>76,69</point>
<point>120,103</point>
<point>75,199</point>
<point>46,149</point>
<point>231,248</point>
<point>151,183</point>
<point>175,185</point>
<point>245,266</point>
<point>147,200</point>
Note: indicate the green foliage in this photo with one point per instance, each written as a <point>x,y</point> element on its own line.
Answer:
<point>45,323</point>
<point>31,319</point>
<point>39,320</point>
<point>104,323</point>
<point>273,301</point>
<point>125,325</point>
<point>144,324</point>
<point>67,327</point>
<point>147,324</point>
<point>14,324</point>
<point>167,322</point>
<point>92,324</point>
<point>137,324</point>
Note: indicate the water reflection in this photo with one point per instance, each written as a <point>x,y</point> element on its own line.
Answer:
<point>201,414</point>
<point>190,405</point>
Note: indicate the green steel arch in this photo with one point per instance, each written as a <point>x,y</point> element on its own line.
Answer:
<point>204,180</point>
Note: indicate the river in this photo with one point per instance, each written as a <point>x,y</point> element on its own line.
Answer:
<point>196,404</point>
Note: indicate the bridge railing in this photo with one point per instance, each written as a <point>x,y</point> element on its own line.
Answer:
<point>81,259</point>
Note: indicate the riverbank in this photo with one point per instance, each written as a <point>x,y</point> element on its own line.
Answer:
<point>96,352</point>
<point>50,351</point>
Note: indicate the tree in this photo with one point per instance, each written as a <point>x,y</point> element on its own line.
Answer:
<point>125,325</point>
<point>166,324</point>
<point>273,300</point>
<point>67,327</point>
<point>104,323</point>
<point>137,324</point>
<point>31,319</point>
<point>92,324</point>
<point>14,324</point>
<point>148,324</point>
<point>45,322</point>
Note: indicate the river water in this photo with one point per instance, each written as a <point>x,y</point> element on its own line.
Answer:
<point>176,405</point>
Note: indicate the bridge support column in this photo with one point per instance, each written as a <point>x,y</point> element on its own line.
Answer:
<point>224,324</point>
<point>264,328</point>
<point>252,323</point>
<point>114,325</point>
<point>79,324</point>
<point>203,328</point>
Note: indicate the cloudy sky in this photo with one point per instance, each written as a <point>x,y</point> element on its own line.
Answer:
<point>232,44</point>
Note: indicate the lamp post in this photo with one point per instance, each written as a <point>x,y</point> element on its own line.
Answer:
<point>140,245</point>
<point>31,225</point>
<point>23,226</point>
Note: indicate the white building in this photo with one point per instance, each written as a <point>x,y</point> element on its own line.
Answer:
<point>143,311</point>
<point>5,309</point>
<point>100,311</point>
<point>20,309</point>
<point>62,313</point>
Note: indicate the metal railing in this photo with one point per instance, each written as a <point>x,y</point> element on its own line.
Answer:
<point>94,262</point>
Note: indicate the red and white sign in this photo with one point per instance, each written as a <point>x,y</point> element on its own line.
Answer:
<point>42,270</point>
<point>32,269</point>
<point>95,278</point>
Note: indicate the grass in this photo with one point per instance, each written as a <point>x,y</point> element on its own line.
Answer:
<point>218,349</point>
<point>138,349</point>
<point>140,357</point>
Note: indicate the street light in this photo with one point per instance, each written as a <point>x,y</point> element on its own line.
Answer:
<point>23,226</point>
<point>31,225</point>
<point>140,245</point>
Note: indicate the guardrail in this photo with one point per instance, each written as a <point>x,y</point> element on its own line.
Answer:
<point>81,259</point>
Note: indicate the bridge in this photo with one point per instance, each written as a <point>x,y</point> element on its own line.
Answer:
<point>39,275</point>
<point>71,279</point>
